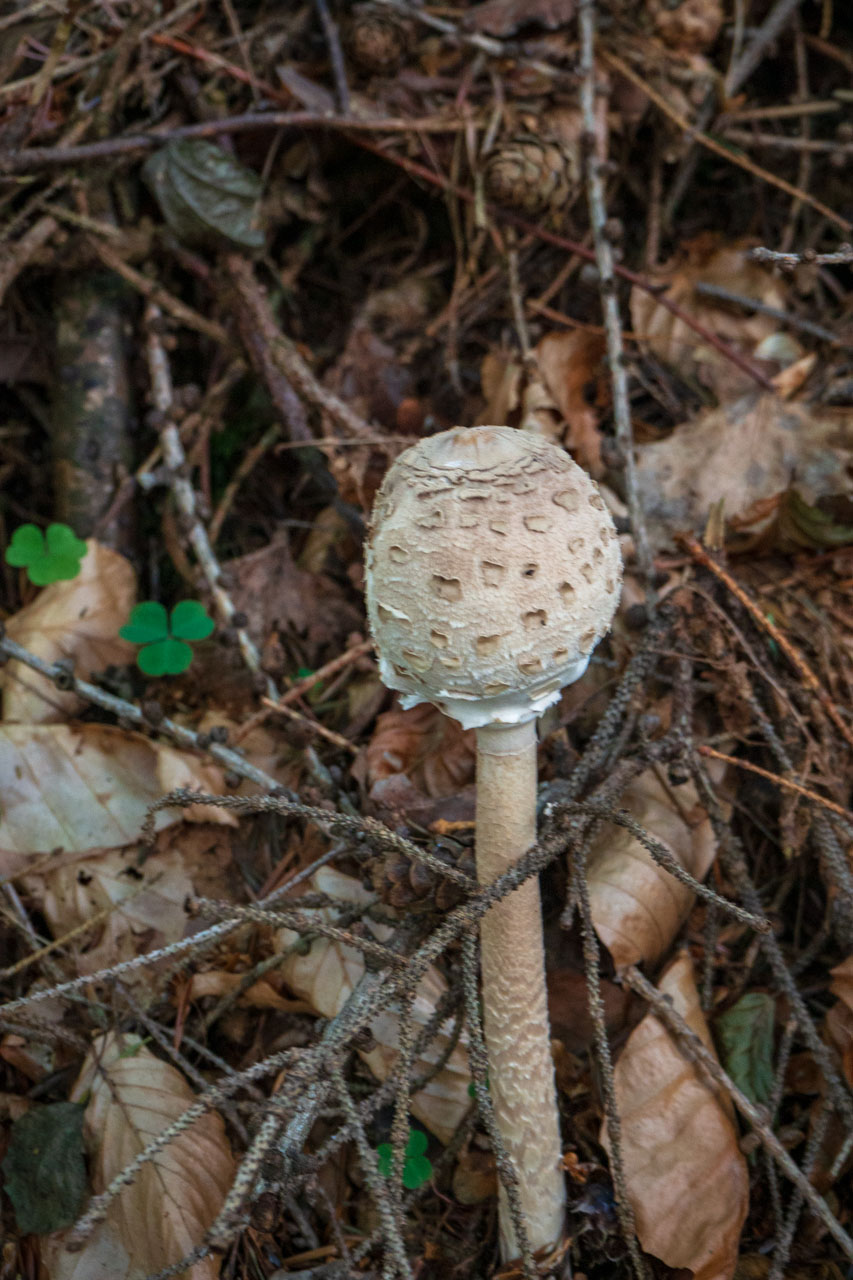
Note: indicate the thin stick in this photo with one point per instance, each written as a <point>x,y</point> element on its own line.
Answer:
<point>793,654</point>
<point>786,783</point>
<point>609,299</point>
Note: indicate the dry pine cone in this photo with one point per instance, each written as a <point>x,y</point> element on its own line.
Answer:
<point>405,883</point>
<point>531,175</point>
<point>378,38</point>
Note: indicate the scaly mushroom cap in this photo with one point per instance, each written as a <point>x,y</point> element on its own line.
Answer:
<point>493,568</point>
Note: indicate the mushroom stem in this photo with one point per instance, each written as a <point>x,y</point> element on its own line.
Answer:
<point>515,1012</point>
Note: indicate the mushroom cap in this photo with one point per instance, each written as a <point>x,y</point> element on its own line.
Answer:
<point>493,568</point>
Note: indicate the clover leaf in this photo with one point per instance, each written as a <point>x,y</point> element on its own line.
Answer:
<point>417,1168</point>
<point>53,556</point>
<point>163,638</point>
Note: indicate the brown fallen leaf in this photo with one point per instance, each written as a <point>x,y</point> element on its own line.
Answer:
<point>327,976</point>
<point>145,904</point>
<point>558,396</point>
<point>742,454</point>
<point>707,260</point>
<point>72,788</point>
<point>77,621</point>
<point>571,367</point>
<point>687,1180</point>
<point>637,906</point>
<point>260,995</point>
<point>433,751</point>
<point>164,1213</point>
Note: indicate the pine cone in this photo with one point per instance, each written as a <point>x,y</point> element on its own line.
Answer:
<point>405,883</point>
<point>531,175</point>
<point>378,38</point>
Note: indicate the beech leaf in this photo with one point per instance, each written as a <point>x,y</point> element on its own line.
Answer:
<point>164,1212</point>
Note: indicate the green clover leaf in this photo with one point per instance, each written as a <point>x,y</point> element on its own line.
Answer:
<point>163,638</point>
<point>417,1167</point>
<point>48,557</point>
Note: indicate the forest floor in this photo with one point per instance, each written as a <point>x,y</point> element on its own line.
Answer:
<point>249,253</point>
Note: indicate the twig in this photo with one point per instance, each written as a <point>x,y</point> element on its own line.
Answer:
<point>764,308</point>
<point>158,296</point>
<point>282,353</point>
<point>592,970</point>
<point>696,1051</point>
<point>788,261</point>
<point>28,159</point>
<point>19,254</point>
<point>609,298</point>
<point>175,459</point>
<point>786,142</point>
<point>779,782</point>
<point>772,26</point>
<point>336,56</point>
<point>298,690</point>
<point>793,654</point>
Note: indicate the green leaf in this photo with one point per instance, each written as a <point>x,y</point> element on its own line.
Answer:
<point>417,1168</point>
<point>148,622</point>
<point>44,1167</point>
<point>190,621</point>
<point>54,557</point>
<point>745,1034</point>
<point>27,545</point>
<point>165,658</point>
<point>205,194</point>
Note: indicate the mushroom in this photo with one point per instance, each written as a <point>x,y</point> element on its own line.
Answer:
<point>493,568</point>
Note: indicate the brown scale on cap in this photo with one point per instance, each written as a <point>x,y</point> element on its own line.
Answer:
<point>493,569</point>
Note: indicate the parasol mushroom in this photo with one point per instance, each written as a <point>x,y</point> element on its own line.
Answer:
<point>493,568</point>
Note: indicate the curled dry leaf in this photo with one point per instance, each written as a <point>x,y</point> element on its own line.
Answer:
<point>571,368</point>
<point>637,906</point>
<point>145,904</point>
<point>435,753</point>
<point>70,788</point>
<point>76,620</point>
<point>687,1180</point>
<point>172,1200</point>
<point>742,454</point>
<point>560,398</point>
<point>326,977</point>
<point>260,995</point>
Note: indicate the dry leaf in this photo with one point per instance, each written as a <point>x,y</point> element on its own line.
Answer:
<point>551,399</point>
<point>146,904</point>
<point>742,454</point>
<point>842,981</point>
<point>76,620</point>
<point>326,978</point>
<point>75,788</point>
<point>434,752</point>
<point>706,261</point>
<point>260,995</point>
<point>171,1202</point>
<point>570,364</point>
<point>687,1180</point>
<point>637,906</point>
